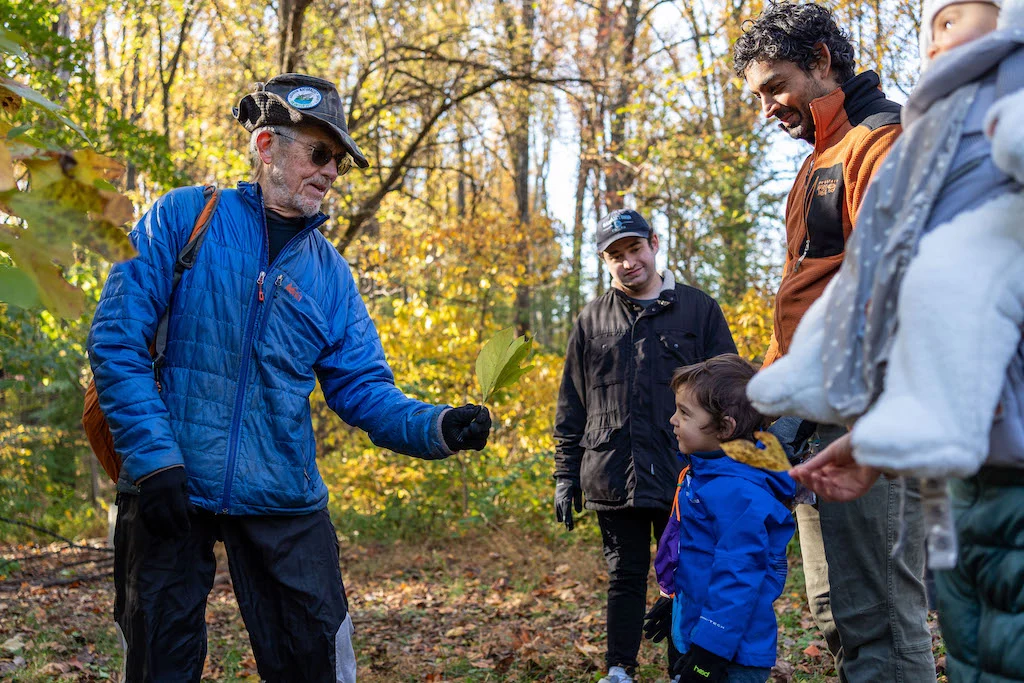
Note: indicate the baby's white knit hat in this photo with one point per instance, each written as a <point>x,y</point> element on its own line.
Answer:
<point>928,12</point>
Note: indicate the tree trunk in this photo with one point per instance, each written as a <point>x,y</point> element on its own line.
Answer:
<point>290,16</point>
<point>619,177</point>
<point>576,276</point>
<point>521,50</point>
<point>169,73</point>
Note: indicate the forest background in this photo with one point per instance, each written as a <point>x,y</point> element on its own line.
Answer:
<point>498,133</point>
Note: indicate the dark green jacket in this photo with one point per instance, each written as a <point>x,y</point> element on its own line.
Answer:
<point>981,601</point>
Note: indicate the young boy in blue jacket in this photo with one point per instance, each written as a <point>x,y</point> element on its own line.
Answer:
<point>723,555</point>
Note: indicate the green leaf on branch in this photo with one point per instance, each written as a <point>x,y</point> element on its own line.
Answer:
<point>56,216</point>
<point>11,43</point>
<point>9,88</point>
<point>17,288</point>
<point>499,365</point>
<point>33,259</point>
<point>18,131</point>
<point>68,202</point>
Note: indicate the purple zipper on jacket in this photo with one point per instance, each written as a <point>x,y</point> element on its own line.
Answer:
<point>250,325</point>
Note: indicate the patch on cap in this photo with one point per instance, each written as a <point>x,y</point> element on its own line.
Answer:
<point>304,97</point>
<point>624,221</point>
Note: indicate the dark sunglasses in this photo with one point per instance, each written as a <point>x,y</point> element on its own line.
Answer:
<point>320,154</point>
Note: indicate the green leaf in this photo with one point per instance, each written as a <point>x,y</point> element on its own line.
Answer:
<point>58,295</point>
<point>17,288</point>
<point>27,93</point>
<point>490,361</point>
<point>11,43</point>
<point>513,370</point>
<point>17,131</point>
<point>51,108</point>
<point>57,215</point>
<point>499,364</point>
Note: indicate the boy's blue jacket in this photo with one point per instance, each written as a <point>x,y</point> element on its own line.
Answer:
<point>733,531</point>
<point>233,401</point>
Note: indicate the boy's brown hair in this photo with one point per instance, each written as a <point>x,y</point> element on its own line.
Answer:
<point>719,385</point>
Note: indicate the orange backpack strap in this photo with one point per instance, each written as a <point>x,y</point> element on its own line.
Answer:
<point>186,259</point>
<point>675,500</point>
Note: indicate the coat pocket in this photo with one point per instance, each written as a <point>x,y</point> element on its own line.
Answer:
<point>606,356</point>
<point>604,471</point>
<point>678,348</point>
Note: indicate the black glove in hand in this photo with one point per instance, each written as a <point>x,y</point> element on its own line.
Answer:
<point>466,428</point>
<point>567,496</point>
<point>163,503</point>
<point>658,621</point>
<point>700,666</point>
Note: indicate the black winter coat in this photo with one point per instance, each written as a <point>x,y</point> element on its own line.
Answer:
<point>612,431</point>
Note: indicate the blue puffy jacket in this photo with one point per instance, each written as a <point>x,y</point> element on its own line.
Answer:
<point>247,341</point>
<point>733,531</point>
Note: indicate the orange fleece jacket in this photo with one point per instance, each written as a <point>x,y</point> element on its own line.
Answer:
<point>855,127</point>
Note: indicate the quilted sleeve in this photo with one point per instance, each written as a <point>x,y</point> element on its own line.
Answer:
<point>133,300</point>
<point>359,386</point>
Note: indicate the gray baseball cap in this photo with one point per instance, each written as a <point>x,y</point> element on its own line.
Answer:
<point>619,224</point>
<point>297,100</point>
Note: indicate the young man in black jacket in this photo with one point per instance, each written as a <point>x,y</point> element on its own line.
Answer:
<point>613,440</point>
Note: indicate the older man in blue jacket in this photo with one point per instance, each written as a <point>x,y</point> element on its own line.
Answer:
<point>221,447</point>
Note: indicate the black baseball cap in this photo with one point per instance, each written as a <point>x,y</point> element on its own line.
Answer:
<point>619,224</point>
<point>298,100</point>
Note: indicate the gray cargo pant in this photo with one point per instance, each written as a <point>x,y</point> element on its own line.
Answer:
<point>871,607</point>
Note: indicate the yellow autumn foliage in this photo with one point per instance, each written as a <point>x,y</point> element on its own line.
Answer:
<point>751,321</point>
<point>437,291</point>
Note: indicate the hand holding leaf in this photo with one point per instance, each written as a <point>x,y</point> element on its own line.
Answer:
<point>499,364</point>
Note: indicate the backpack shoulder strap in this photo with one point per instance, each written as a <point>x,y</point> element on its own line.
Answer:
<point>675,499</point>
<point>188,253</point>
<point>186,259</point>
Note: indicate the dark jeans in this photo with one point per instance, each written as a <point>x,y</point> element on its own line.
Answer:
<point>286,577</point>
<point>626,535</point>
<point>870,607</point>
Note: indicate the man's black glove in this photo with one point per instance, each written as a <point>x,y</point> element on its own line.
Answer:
<point>567,496</point>
<point>658,621</point>
<point>466,428</point>
<point>163,503</point>
<point>700,666</point>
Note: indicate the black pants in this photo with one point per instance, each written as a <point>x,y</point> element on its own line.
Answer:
<point>627,548</point>
<point>286,576</point>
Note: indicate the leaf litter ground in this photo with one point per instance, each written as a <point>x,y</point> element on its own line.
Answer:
<point>502,607</point>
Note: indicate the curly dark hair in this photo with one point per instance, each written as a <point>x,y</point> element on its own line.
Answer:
<point>789,32</point>
<point>719,386</point>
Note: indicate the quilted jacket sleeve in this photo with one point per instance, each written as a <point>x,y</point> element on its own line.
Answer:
<point>360,387</point>
<point>134,298</point>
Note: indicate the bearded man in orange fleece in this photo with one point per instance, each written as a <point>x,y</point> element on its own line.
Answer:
<point>870,606</point>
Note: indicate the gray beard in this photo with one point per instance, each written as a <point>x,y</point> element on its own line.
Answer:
<point>304,205</point>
